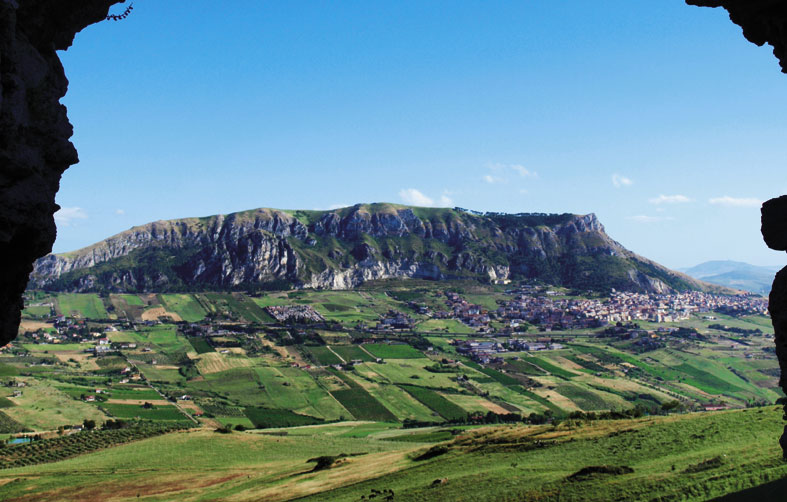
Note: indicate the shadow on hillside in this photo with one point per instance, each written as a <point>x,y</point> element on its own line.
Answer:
<point>775,491</point>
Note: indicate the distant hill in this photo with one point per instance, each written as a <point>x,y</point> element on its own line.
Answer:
<point>342,248</point>
<point>735,274</point>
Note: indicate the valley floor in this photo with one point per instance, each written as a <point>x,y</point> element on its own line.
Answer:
<point>381,394</point>
<point>696,456</point>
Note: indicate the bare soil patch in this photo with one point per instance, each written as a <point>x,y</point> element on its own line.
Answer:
<point>154,313</point>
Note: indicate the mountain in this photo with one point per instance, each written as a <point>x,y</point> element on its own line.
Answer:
<point>342,248</point>
<point>735,274</point>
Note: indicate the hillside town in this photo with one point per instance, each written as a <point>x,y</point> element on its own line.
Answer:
<point>551,311</point>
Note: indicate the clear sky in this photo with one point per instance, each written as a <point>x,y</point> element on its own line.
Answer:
<point>657,116</point>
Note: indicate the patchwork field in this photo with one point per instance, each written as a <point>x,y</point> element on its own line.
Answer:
<point>376,401</point>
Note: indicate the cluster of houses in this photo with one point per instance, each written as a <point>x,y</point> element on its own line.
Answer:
<point>550,312</point>
<point>67,330</point>
<point>471,314</point>
<point>297,313</point>
<point>394,321</point>
<point>486,351</point>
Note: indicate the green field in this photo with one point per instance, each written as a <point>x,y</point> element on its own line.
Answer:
<point>436,402</point>
<point>185,306</point>
<point>121,392</point>
<point>164,339</point>
<point>43,406</point>
<point>352,352</point>
<point>238,306</point>
<point>241,386</point>
<point>57,347</point>
<point>550,367</point>
<point>264,418</point>
<point>37,311</point>
<point>401,404</point>
<point>444,325</point>
<point>408,372</point>
<point>133,300</point>
<point>322,355</point>
<point>586,399</point>
<point>525,367</point>
<point>386,351</point>
<point>360,403</point>
<point>8,370</point>
<point>200,344</point>
<point>157,412</point>
<point>86,306</point>
<point>295,390</point>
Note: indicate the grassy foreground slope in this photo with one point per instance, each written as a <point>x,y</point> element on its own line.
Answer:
<point>682,457</point>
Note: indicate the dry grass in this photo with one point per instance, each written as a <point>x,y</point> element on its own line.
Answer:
<point>27,325</point>
<point>140,402</point>
<point>494,408</point>
<point>300,482</point>
<point>214,362</point>
<point>553,396</point>
<point>152,314</point>
<point>85,361</point>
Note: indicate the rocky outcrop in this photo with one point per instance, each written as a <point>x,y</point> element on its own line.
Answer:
<point>763,22</point>
<point>34,134</point>
<point>344,248</point>
<point>774,232</point>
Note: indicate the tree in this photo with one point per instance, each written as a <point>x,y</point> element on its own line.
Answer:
<point>89,424</point>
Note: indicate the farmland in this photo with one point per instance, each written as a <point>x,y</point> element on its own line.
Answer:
<point>86,306</point>
<point>378,371</point>
<point>185,306</point>
<point>392,351</point>
<point>245,465</point>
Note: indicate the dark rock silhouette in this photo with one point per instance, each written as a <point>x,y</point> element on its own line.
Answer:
<point>763,22</point>
<point>774,231</point>
<point>34,134</point>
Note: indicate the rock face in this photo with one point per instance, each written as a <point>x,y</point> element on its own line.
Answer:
<point>763,22</point>
<point>34,134</point>
<point>774,231</point>
<point>343,248</point>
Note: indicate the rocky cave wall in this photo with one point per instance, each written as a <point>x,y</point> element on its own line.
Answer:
<point>774,232</point>
<point>34,134</point>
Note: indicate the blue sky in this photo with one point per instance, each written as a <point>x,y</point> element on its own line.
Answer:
<point>657,116</point>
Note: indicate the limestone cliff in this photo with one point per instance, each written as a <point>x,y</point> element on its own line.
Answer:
<point>34,134</point>
<point>343,248</point>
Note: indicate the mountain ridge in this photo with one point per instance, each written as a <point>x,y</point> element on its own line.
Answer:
<point>342,248</point>
<point>735,274</point>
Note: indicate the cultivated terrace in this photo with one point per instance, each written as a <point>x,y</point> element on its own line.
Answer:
<point>89,372</point>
